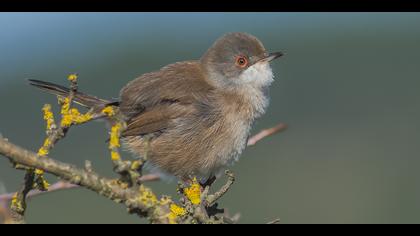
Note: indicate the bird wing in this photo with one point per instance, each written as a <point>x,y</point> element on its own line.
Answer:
<point>153,120</point>
<point>152,101</point>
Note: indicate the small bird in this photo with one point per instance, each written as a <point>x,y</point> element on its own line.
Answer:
<point>195,115</point>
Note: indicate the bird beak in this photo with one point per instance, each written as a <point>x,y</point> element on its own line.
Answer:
<point>272,56</point>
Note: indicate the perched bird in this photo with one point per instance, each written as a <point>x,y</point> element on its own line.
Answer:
<point>196,114</point>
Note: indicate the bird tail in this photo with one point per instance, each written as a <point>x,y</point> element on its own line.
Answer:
<point>82,99</point>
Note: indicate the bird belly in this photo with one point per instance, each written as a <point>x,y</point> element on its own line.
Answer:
<point>184,153</point>
<point>226,147</point>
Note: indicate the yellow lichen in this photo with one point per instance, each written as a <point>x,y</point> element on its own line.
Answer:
<point>82,119</point>
<point>72,77</point>
<point>115,156</point>
<point>48,116</point>
<point>15,203</point>
<point>66,121</point>
<point>193,193</point>
<point>177,210</point>
<point>65,105</point>
<point>72,116</point>
<point>42,183</point>
<point>45,183</point>
<point>47,143</point>
<point>135,165</point>
<point>147,197</point>
<point>114,141</point>
<point>109,111</point>
<point>78,118</point>
<point>172,218</point>
<point>14,198</point>
<point>42,152</point>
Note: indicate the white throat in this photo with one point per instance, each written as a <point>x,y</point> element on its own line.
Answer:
<point>258,75</point>
<point>256,81</point>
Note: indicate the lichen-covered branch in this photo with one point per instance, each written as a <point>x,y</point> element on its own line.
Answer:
<point>140,200</point>
<point>34,178</point>
<point>90,180</point>
<point>63,185</point>
<point>6,199</point>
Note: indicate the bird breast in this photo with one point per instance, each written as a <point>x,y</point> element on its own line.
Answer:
<point>239,113</point>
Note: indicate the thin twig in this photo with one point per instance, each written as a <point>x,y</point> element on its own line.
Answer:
<point>211,199</point>
<point>60,185</point>
<point>149,178</point>
<point>5,200</point>
<point>265,133</point>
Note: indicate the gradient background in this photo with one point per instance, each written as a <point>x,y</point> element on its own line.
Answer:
<point>348,88</point>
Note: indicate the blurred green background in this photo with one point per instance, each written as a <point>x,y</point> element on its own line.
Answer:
<point>348,88</point>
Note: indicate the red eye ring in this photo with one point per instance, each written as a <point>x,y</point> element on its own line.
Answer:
<point>241,61</point>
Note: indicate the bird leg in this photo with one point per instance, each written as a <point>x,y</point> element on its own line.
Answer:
<point>209,181</point>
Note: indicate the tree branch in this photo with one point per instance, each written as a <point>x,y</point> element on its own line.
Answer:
<point>63,185</point>
<point>265,133</point>
<point>64,171</point>
<point>90,180</point>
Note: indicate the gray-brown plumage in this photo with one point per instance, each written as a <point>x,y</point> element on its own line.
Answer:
<point>195,114</point>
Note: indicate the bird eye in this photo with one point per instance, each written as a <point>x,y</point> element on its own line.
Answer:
<point>241,61</point>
